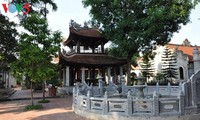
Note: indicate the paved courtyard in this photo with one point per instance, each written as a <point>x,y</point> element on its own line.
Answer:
<point>56,109</point>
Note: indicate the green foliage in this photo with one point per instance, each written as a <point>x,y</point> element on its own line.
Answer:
<point>169,67</point>
<point>37,6</point>
<point>91,24</point>
<point>139,25</point>
<point>8,41</point>
<point>36,49</point>
<point>147,65</point>
<point>37,46</point>
<point>114,51</point>
<point>33,107</point>
<point>147,69</point>
<point>159,76</point>
<point>135,26</point>
<point>43,101</point>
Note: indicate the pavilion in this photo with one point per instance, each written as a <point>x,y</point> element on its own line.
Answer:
<point>86,59</point>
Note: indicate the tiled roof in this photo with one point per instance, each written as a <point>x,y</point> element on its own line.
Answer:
<point>89,32</point>
<point>86,35</point>
<point>188,50</point>
<point>91,59</point>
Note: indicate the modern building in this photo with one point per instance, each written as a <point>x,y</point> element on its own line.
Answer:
<point>187,56</point>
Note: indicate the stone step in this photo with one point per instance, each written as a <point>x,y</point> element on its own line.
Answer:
<point>6,93</point>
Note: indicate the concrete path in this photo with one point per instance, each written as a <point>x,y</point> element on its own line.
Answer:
<point>26,94</point>
<point>56,109</point>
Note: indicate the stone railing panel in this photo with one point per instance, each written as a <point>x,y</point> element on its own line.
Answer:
<point>169,106</point>
<point>175,90</point>
<point>117,106</point>
<point>142,107</point>
<point>97,105</point>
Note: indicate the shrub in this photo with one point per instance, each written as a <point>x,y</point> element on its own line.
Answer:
<point>33,107</point>
<point>43,101</point>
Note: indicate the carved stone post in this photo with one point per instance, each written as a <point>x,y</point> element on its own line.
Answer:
<point>82,74</point>
<point>123,85</point>
<point>79,101</point>
<point>105,107</point>
<point>88,100</point>
<point>155,104</point>
<point>129,104</point>
<point>181,103</point>
<point>157,87</point>
<point>169,88</point>
<point>67,76</point>
<point>74,96</point>
<point>100,86</point>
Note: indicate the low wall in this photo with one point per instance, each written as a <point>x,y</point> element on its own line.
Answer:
<point>114,105</point>
<point>159,103</point>
<point>95,116</point>
<point>163,90</point>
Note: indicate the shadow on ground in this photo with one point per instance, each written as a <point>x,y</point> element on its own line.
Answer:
<point>60,116</point>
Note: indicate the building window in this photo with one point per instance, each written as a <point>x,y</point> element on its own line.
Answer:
<point>181,73</point>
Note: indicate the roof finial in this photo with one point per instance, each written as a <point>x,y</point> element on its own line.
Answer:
<point>186,42</point>
<point>74,24</point>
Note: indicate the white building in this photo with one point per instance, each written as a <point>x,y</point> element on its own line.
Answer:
<point>188,59</point>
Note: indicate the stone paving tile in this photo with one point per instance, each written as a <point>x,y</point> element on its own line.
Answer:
<point>20,94</point>
<point>56,109</point>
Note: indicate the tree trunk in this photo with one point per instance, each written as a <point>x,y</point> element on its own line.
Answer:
<point>43,90</point>
<point>128,71</point>
<point>32,103</point>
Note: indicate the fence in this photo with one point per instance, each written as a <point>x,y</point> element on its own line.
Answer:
<point>128,106</point>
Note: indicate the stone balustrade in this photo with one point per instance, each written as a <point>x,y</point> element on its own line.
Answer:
<point>128,106</point>
<point>120,102</point>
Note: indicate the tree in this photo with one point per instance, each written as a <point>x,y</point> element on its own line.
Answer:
<point>38,7</point>
<point>8,43</point>
<point>36,49</point>
<point>147,69</point>
<point>139,25</point>
<point>147,65</point>
<point>169,67</point>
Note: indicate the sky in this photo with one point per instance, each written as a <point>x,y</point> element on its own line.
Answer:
<point>74,10</point>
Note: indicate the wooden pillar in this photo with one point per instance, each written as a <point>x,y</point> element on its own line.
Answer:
<point>71,77</point>
<point>109,73</point>
<point>78,74</point>
<point>64,76</point>
<point>93,75</point>
<point>78,46</point>
<point>89,73</point>
<point>93,49</point>
<point>99,72</point>
<point>102,47</point>
<point>115,75</point>
<point>121,72</point>
<point>103,73</point>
